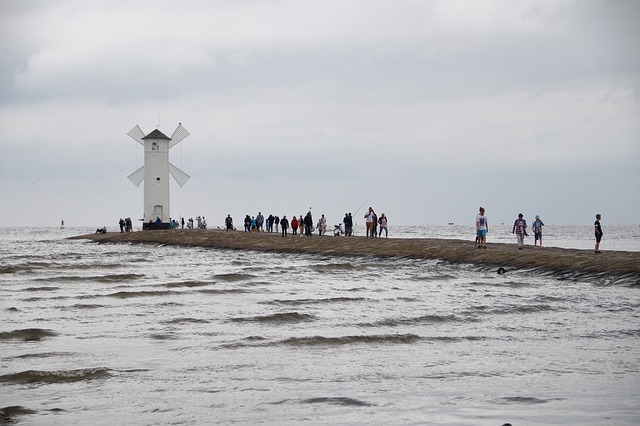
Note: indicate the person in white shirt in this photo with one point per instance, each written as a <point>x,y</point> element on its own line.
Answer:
<point>482,227</point>
<point>369,216</point>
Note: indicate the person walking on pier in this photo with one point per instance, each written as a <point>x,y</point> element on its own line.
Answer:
<point>520,229</point>
<point>537,230</point>
<point>482,227</point>
<point>598,232</point>
<point>284,224</point>
<point>382,221</point>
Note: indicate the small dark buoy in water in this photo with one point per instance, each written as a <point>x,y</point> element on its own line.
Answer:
<point>501,270</point>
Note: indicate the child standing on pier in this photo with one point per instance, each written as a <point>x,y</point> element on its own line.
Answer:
<point>482,227</point>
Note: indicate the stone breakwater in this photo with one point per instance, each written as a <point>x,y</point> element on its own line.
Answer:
<point>568,263</point>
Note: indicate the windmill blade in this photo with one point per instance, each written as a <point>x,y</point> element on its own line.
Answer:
<point>180,176</point>
<point>179,134</point>
<point>137,134</point>
<point>137,176</point>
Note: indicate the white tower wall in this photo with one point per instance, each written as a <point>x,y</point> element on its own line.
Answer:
<point>155,174</point>
<point>156,180</point>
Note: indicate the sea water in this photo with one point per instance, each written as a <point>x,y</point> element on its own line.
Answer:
<point>98,334</point>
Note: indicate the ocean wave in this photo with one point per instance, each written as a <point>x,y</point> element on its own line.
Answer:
<point>27,334</point>
<point>454,339</point>
<point>115,278</point>
<point>223,291</point>
<point>249,341</point>
<point>82,306</point>
<point>50,377</point>
<point>41,289</point>
<point>443,277</point>
<point>9,415</point>
<point>508,310</point>
<point>286,317</point>
<point>337,400</point>
<point>186,320</point>
<point>233,277</point>
<point>350,340</point>
<point>140,293</point>
<point>327,300</point>
<point>24,267</point>
<point>499,283</point>
<point>623,280</point>
<point>425,319</point>
<point>188,284</point>
<point>62,278</point>
<point>525,400</point>
<point>333,267</point>
<point>108,278</point>
<point>612,334</point>
<point>42,355</point>
<point>9,269</point>
<point>163,336</point>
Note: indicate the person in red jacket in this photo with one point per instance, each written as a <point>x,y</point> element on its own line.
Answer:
<point>294,225</point>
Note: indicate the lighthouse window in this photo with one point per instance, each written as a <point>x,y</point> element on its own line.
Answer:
<point>154,146</point>
<point>158,179</point>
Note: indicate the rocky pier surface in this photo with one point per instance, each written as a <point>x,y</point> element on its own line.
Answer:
<point>609,266</point>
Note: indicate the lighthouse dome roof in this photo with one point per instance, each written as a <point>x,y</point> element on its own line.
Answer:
<point>156,134</point>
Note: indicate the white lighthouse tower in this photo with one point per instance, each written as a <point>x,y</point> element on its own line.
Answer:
<point>155,173</point>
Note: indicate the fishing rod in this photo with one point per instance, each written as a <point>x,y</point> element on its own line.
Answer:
<point>356,212</point>
<point>362,205</point>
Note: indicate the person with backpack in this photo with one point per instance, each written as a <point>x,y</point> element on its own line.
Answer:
<point>382,221</point>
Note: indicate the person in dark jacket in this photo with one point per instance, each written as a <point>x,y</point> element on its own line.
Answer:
<point>308,225</point>
<point>284,224</point>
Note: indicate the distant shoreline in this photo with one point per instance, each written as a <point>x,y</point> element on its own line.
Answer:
<point>565,263</point>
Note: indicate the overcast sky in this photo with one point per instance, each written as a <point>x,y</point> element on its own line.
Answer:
<point>424,110</point>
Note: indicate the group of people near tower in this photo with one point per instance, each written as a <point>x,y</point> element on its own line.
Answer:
<point>125,225</point>
<point>305,225</point>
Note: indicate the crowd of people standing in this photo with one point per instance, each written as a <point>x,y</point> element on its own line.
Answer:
<point>305,225</point>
